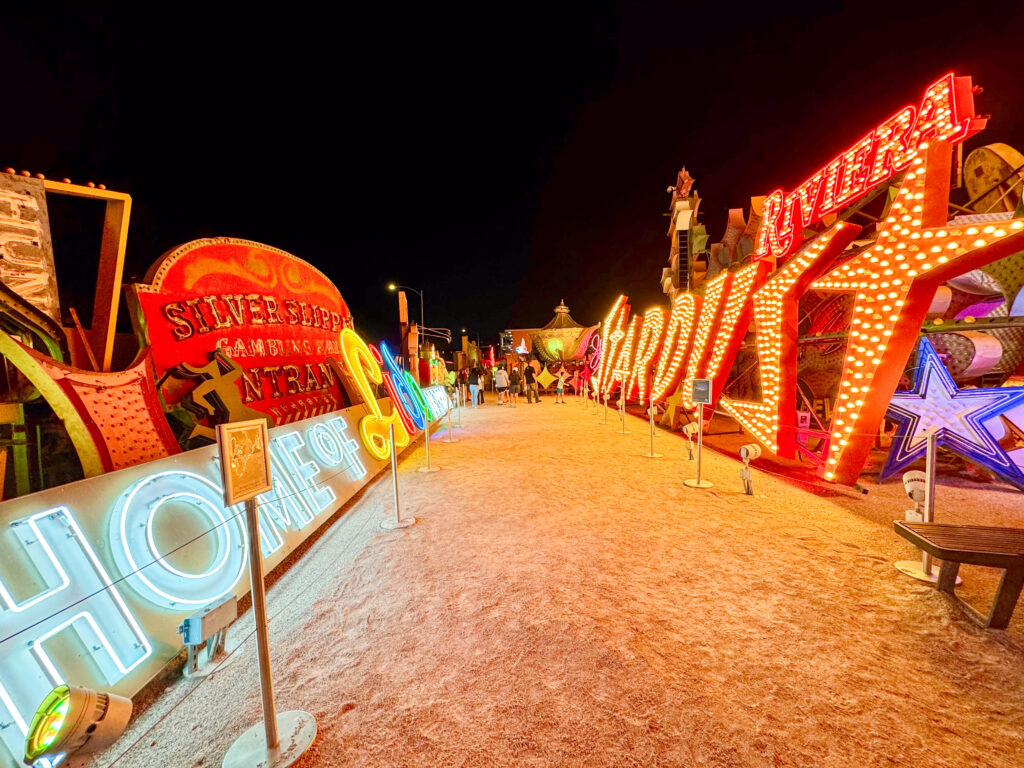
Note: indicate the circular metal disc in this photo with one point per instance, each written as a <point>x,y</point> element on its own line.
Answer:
<point>913,569</point>
<point>391,525</point>
<point>296,731</point>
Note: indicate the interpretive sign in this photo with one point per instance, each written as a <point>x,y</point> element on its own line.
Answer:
<point>244,460</point>
<point>702,391</point>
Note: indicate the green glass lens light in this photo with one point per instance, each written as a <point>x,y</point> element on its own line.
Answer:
<point>47,723</point>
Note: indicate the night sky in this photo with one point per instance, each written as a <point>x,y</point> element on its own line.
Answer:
<point>499,156</point>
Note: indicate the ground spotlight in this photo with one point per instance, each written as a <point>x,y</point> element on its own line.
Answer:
<point>747,453</point>
<point>75,720</point>
<point>915,483</point>
<point>690,430</point>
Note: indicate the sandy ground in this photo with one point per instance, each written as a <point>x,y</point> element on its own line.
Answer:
<point>564,602</point>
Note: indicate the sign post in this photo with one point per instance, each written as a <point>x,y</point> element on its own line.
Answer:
<point>245,468</point>
<point>701,396</point>
<point>652,454</point>
<point>924,571</point>
<point>426,444</point>
<point>450,439</point>
<point>398,522</point>
<point>622,412</point>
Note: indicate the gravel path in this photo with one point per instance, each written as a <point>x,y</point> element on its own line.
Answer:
<point>564,602</point>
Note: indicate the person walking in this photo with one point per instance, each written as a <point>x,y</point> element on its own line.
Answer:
<point>501,383</point>
<point>530,377</point>
<point>514,380</point>
<point>463,382</point>
<point>474,384</point>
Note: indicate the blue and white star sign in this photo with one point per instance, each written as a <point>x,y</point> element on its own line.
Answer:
<point>959,416</point>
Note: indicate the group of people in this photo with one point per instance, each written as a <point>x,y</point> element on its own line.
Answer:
<point>509,384</point>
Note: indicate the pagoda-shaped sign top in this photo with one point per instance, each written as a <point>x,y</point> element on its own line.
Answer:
<point>562,318</point>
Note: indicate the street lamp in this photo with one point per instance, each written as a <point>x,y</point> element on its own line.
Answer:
<point>477,334</point>
<point>395,286</point>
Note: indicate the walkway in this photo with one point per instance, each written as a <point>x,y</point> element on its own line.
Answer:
<point>564,602</point>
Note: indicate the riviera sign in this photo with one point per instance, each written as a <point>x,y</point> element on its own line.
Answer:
<point>946,113</point>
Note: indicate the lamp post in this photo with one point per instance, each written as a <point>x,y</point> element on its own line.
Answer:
<point>477,335</point>
<point>393,287</point>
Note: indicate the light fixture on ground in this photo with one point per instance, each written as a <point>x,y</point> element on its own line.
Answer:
<point>747,453</point>
<point>75,721</point>
<point>915,483</point>
<point>920,488</point>
<point>689,430</point>
<point>650,414</point>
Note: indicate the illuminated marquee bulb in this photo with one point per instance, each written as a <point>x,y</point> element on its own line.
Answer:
<point>873,368</point>
<point>731,330</point>
<point>776,307</point>
<point>611,334</point>
<point>646,348</point>
<point>676,345</point>
<point>622,366</point>
<point>946,113</point>
<point>707,321</point>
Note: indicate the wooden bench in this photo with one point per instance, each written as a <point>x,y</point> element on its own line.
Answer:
<point>974,545</point>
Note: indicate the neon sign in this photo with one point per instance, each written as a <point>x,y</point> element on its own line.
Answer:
<point>111,563</point>
<point>946,113</point>
<point>958,416</point>
<point>274,316</point>
<point>894,282</point>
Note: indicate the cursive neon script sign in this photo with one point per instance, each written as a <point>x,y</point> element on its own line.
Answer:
<point>946,113</point>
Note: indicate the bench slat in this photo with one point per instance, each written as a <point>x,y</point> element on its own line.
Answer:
<point>1003,541</point>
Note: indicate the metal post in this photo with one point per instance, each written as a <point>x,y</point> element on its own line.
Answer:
<point>249,750</point>
<point>622,412</point>
<point>699,482</point>
<point>652,454</point>
<point>398,522</point>
<point>929,497</point>
<point>259,609</point>
<point>605,410</point>
<point>922,569</point>
<point>426,443</point>
<point>458,401</point>
<point>450,439</point>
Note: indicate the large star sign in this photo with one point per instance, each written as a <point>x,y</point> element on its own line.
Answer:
<point>894,282</point>
<point>958,415</point>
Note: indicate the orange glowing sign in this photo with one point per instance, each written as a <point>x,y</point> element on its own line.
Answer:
<point>273,314</point>
<point>946,113</point>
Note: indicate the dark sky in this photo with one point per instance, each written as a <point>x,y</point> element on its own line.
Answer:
<point>499,156</point>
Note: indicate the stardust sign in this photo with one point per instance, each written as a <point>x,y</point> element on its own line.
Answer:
<point>892,277</point>
<point>946,113</point>
<point>275,315</point>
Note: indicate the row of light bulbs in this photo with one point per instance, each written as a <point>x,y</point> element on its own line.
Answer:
<point>762,419</point>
